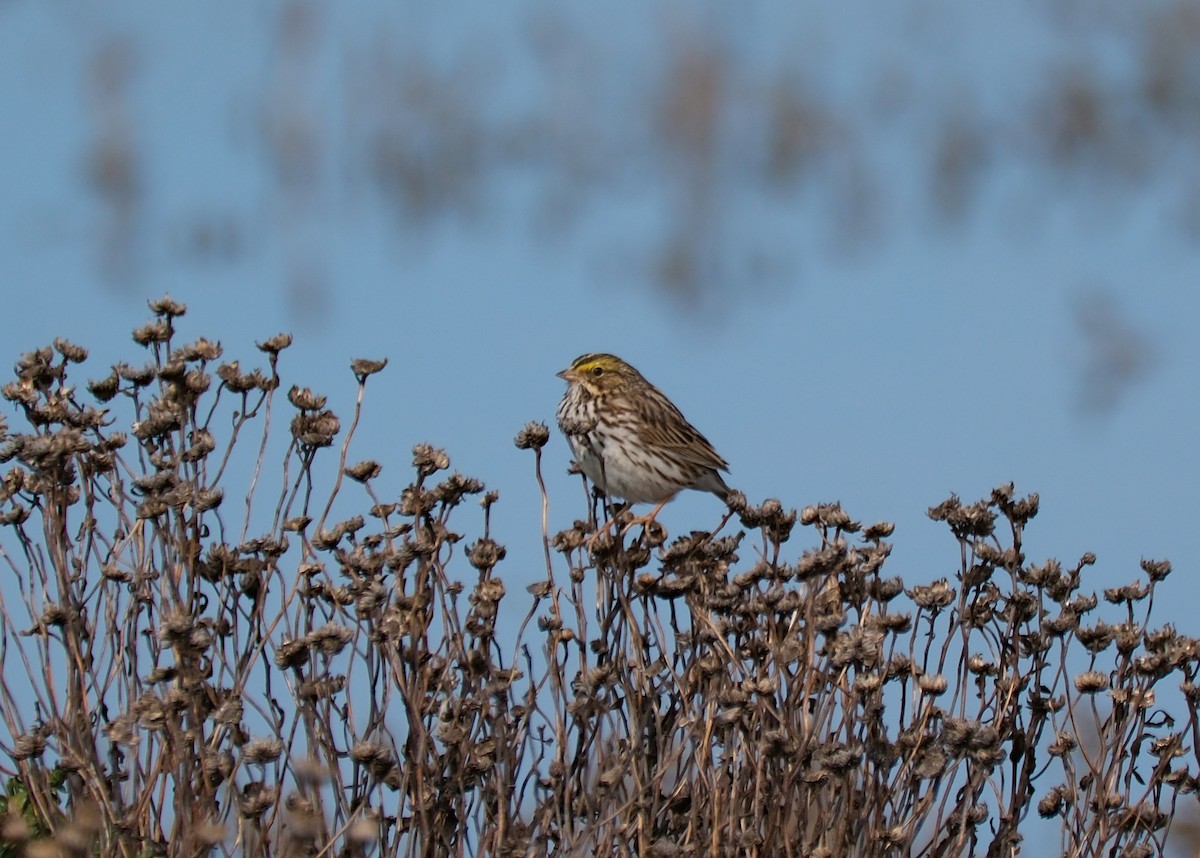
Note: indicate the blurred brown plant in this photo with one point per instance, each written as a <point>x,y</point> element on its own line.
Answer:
<point>1117,354</point>
<point>697,125</point>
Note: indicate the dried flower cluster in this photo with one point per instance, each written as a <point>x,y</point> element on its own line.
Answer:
<point>174,685</point>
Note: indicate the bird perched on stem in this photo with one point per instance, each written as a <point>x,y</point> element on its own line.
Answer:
<point>629,439</point>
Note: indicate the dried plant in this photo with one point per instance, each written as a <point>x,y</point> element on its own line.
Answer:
<point>174,685</point>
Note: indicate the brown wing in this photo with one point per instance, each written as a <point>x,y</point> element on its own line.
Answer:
<point>667,427</point>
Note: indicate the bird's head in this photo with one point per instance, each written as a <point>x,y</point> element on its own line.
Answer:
<point>602,374</point>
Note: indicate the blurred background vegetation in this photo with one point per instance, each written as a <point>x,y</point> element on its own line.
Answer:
<point>1100,108</point>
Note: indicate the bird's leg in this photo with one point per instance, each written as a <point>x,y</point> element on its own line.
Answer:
<point>645,520</point>
<point>614,516</point>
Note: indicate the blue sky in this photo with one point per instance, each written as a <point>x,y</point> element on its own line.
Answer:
<point>886,372</point>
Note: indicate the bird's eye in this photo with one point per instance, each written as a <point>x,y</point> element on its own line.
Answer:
<point>597,371</point>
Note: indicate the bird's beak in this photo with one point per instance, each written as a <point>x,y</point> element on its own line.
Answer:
<point>568,375</point>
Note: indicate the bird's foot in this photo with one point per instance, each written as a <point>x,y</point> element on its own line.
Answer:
<point>652,531</point>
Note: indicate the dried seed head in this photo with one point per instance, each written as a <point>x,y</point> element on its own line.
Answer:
<point>859,646</point>
<point>158,331</point>
<point>196,382</point>
<point>1021,607</point>
<point>1023,510</point>
<point>209,834</point>
<point>29,745</point>
<point>1091,682</point>
<point>256,799</point>
<point>836,758</point>
<point>934,597</point>
<point>166,307</point>
<point>1142,818</point>
<point>885,589</point>
<point>486,596</point>
<point>71,353</point>
<point>428,459</point>
<point>137,376</point>
<point>237,381</point>
<point>321,689</point>
<point>1081,604</point>
<point>867,683</point>
<point>980,666</point>
<point>304,399</point>
<point>943,510</point>
<point>958,734</point>
<point>292,653</point>
<point>1138,698</point>
<point>161,674</point>
<point>331,638</point>
<point>260,751</point>
<point>1129,593</point>
<point>363,831</point>
<point>1053,802</point>
<point>1128,637</point>
<point>1157,570</point>
<point>310,771</point>
<point>829,560</point>
<point>932,684</point>
<point>173,370</point>
<point>275,344</point>
<point>534,436</point>
<point>375,756</point>
<point>895,623</point>
<point>930,762</point>
<point>362,367</point>
<point>485,554</point>
<point>364,471</point>
<point>979,612</point>
<point>297,524</point>
<point>315,429</point>
<point>201,350</point>
<point>880,530</point>
<point>175,628</point>
<point>22,393</point>
<point>218,767</point>
<point>454,488</point>
<point>1064,744</point>
<point>894,837</point>
<point>1044,575</point>
<point>1095,638</point>
<point>106,388</point>
<point>566,541</point>
<point>229,712</point>
<point>967,522</point>
<point>1160,639</point>
<point>416,502</point>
